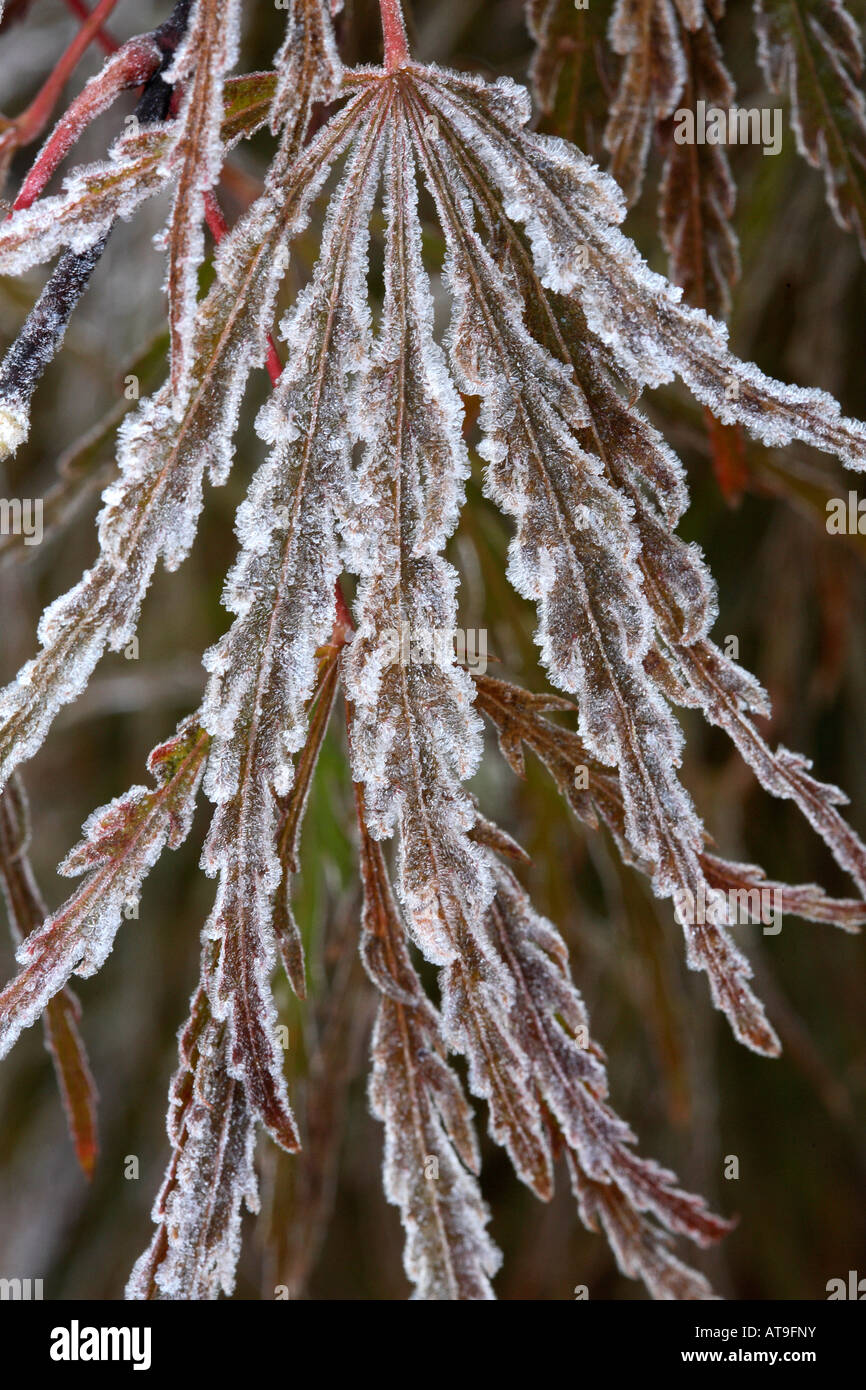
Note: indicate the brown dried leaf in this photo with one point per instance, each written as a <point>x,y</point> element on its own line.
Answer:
<point>647,34</point>
<point>816,51</point>
<point>568,72</point>
<point>122,843</point>
<point>208,51</point>
<point>697,194</point>
<point>62,1014</point>
<point>427,1120</point>
<point>210,1176</point>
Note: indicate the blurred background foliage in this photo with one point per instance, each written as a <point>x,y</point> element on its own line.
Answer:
<point>791,594</point>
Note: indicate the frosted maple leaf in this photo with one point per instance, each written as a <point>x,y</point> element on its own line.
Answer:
<point>557,326</point>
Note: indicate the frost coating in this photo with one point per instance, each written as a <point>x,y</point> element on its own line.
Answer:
<point>211,1176</point>
<point>556,327</point>
<point>549,1018</point>
<point>208,51</point>
<point>576,554</point>
<point>818,58</point>
<point>651,83</point>
<point>264,668</point>
<point>414,733</point>
<point>14,427</point>
<point>122,842</point>
<point>567,204</point>
<point>631,322</point>
<point>93,197</point>
<point>431,1153</point>
<point>308,64</point>
<point>151,511</point>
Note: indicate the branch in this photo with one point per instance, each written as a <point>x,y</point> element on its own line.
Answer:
<point>45,327</point>
<point>131,66</point>
<point>102,37</point>
<point>394,34</point>
<point>29,124</point>
<point>27,912</point>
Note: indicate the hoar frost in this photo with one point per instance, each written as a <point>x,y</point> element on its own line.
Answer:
<point>557,325</point>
